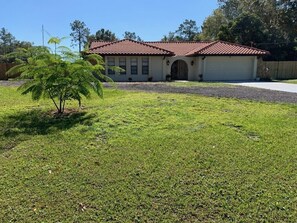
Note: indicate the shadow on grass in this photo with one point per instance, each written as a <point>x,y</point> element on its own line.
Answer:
<point>23,125</point>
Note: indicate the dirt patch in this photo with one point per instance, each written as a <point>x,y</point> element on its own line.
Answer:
<point>239,92</point>
<point>9,83</point>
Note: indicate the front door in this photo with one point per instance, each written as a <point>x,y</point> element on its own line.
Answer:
<point>179,70</point>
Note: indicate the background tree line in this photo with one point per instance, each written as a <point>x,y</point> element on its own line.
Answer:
<point>266,24</point>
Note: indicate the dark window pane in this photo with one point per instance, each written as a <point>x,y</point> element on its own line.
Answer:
<point>145,65</point>
<point>134,66</point>
<point>134,70</point>
<point>145,70</point>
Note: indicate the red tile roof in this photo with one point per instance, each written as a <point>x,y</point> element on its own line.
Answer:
<point>180,48</point>
<point>127,47</point>
<point>225,48</point>
<point>96,44</point>
<point>131,47</point>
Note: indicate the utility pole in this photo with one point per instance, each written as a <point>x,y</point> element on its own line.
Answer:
<point>42,35</point>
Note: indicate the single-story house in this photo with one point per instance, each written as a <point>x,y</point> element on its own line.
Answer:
<point>195,61</point>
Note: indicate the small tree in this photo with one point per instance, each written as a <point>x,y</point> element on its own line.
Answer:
<point>187,30</point>
<point>60,77</point>
<point>105,35</point>
<point>79,33</point>
<point>132,36</point>
<point>171,37</point>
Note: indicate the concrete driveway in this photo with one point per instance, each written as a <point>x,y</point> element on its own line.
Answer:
<point>275,86</point>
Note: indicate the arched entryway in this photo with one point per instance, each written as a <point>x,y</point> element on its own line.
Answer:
<point>179,70</point>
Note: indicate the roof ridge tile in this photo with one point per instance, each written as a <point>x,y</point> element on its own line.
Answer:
<point>155,47</point>
<point>204,48</point>
<point>107,43</point>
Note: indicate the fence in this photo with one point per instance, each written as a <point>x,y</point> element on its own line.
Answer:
<point>277,69</point>
<point>4,67</point>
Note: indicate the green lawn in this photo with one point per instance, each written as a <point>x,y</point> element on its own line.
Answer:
<point>292,81</point>
<point>144,157</point>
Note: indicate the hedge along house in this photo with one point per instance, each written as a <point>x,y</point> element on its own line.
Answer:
<point>195,61</point>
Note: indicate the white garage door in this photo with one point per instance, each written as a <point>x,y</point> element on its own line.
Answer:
<point>229,68</point>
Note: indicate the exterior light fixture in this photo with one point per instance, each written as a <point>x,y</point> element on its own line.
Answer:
<point>168,62</point>
<point>192,62</point>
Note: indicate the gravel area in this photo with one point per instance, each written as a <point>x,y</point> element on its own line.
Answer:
<point>228,91</point>
<point>14,83</point>
<point>239,92</point>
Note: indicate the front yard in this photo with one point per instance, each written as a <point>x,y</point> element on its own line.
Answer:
<point>148,157</point>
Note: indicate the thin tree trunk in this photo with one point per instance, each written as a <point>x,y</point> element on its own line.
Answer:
<point>61,104</point>
<point>54,102</point>
<point>64,102</point>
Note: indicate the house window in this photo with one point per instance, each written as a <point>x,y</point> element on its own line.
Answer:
<point>145,65</point>
<point>111,63</point>
<point>134,66</point>
<point>123,65</point>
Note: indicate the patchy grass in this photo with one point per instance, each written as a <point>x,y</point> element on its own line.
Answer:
<point>144,157</point>
<point>198,84</point>
<point>292,81</point>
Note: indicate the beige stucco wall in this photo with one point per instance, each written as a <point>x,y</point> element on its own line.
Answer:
<point>155,69</point>
<point>213,68</point>
<point>192,69</point>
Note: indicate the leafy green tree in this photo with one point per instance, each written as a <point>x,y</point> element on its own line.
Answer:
<point>105,35</point>
<point>132,36</point>
<point>212,25</point>
<point>8,43</point>
<point>246,29</point>
<point>187,30</point>
<point>274,21</point>
<point>231,8</point>
<point>79,33</point>
<point>171,37</point>
<point>225,33</point>
<point>61,77</point>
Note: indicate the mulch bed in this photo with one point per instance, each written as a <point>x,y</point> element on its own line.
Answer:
<point>239,92</point>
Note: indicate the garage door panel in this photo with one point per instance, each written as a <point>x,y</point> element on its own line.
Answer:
<point>229,68</point>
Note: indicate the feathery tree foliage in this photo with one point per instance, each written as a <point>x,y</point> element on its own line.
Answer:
<point>79,34</point>
<point>61,76</point>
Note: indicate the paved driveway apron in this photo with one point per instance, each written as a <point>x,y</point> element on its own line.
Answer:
<point>275,86</point>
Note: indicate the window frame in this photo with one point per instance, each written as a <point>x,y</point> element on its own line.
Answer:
<point>109,71</point>
<point>134,66</point>
<point>145,66</point>
<point>123,59</point>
